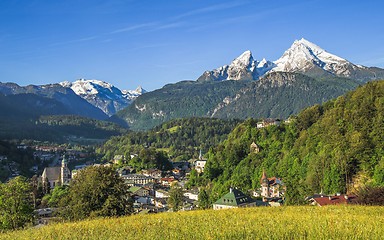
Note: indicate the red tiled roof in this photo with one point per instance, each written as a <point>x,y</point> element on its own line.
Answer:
<point>335,200</point>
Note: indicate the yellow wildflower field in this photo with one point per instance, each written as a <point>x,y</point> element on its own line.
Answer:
<point>303,222</point>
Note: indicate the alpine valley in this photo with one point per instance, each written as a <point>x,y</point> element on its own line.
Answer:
<point>305,75</point>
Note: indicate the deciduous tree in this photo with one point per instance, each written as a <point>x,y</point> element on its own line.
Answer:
<point>16,203</point>
<point>96,191</point>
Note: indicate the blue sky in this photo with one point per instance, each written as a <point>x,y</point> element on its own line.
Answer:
<point>152,43</point>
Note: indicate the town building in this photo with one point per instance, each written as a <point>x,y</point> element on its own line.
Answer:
<point>333,200</point>
<point>161,193</point>
<point>155,173</point>
<point>192,194</point>
<point>139,191</point>
<point>271,187</point>
<point>136,179</point>
<point>234,199</point>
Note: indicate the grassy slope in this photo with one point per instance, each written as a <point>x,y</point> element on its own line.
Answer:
<point>335,222</point>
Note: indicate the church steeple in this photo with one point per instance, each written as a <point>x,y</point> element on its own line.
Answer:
<point>64,162</point>
<point>264,185</point>
<point>264,179</point>
<point>65,173</point>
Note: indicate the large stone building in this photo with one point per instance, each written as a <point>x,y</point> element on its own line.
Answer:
<point>136,179</point>
<point>56,174</point>
<point>270,187</point>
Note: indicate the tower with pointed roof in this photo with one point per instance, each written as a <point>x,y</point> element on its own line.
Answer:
<point>264,185</point>
<point>64,173</point>
<point>200,163</point>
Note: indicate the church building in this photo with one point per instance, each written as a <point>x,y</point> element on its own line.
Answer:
<point>57,174</point>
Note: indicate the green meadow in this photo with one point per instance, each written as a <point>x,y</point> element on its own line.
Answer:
<point>303,222</point>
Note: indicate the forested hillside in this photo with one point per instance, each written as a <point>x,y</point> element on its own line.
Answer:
<point>282,94</point>
<point>278,94</point>
<point>326,147</point>
<point>57,128</point>
<point>174,101</point>
<point>182,138</point>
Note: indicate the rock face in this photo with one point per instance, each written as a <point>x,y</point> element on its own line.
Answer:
<point>302,57</point>
<point>103,95</point>
<point>242,68</point>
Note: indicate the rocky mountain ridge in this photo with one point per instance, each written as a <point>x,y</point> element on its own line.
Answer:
<point>302,57</point>
<point>103,95</point>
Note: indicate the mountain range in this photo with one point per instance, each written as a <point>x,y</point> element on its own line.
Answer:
<point>305,75</point>
<point>88,98</point>
<point>302,57</point>
<point>54,111</point>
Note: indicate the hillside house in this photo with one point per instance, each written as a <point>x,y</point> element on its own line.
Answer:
<point>254,148</point>
<point>234,199</point>
<point>268,122</point>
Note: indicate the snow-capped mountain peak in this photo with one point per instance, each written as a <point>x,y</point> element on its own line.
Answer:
<point>244,59</point>
<point>138,91</point>
<point>243,67</point>
<point>303,54</point>
<point>103,95</point>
